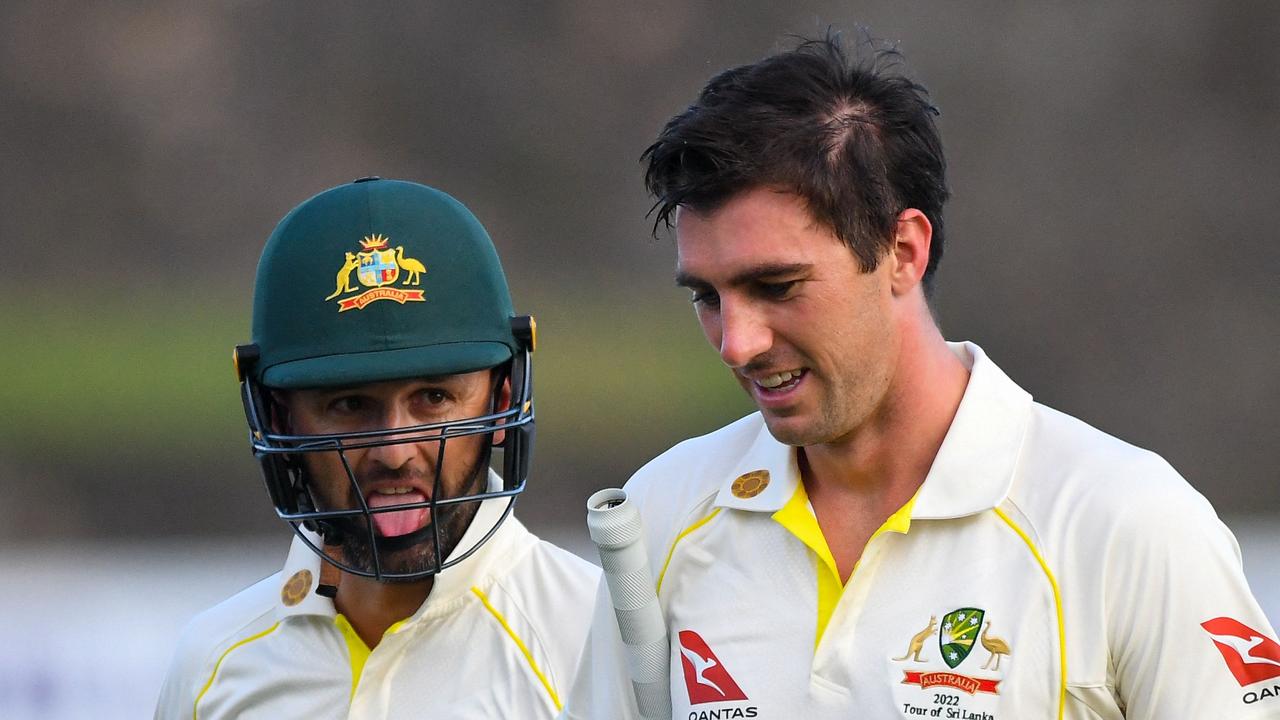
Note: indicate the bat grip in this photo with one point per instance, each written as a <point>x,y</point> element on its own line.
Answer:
<point>615,528</point>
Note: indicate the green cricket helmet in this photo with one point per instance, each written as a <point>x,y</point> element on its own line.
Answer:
<point>373,281</point>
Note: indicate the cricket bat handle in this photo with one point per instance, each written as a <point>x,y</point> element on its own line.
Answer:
<point>615,528</point>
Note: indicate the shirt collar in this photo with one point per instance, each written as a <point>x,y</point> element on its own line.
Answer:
<point>301,574</point>
<point>974,468</point>
<point>972,471</point>
<point>766,461</point>
<point>493,557</point>
<point>299,580</point>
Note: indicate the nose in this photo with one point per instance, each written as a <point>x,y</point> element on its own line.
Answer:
<point>396,455</point>
<point>392,457</point>
<point>744,333</point>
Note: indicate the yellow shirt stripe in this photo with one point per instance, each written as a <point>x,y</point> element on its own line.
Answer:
<point>524,649</point>
<point>195,707</point>
<point>1057,604</point>
<point>680,537</point>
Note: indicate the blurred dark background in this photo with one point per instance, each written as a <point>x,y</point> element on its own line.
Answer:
<point>1112,238</point>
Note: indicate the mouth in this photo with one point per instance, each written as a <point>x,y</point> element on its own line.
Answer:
<point>780,381</point>
<point>395,523</point>
<point>775,390</point>
<point>777,385</point>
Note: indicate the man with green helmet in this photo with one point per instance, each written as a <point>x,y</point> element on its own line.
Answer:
<point>386,378</point>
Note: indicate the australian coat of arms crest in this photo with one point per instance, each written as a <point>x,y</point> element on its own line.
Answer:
<point>377,268</point>
<point>962,629</point>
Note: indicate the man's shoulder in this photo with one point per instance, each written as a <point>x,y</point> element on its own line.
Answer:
<point>535,567</point>
<point>552,564</point>
<point>239,614</point>
<point>546,597</point>
<point>1073,471</point>
<point>679,486</point>
<point>212,632</point>
<point>698,465</point>
<point>1061,444</point>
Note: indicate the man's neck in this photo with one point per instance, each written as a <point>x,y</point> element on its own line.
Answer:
<point>857,482</point>
<point>897,444</point>
<point>371,606</point>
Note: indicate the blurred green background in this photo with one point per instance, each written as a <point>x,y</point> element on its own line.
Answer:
<point>1112,239</point>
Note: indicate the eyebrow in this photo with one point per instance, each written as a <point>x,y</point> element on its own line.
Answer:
<point>754,274</point>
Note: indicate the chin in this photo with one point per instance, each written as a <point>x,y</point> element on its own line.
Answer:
<point>416,558</point>
<point>791,431</point>
<point>409,565</point>
<point>800,430</point>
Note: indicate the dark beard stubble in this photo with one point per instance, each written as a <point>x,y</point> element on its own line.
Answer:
<point>453,521</point>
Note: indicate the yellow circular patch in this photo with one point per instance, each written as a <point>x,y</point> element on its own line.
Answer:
<point>749,485</point>
<point>295,591</point>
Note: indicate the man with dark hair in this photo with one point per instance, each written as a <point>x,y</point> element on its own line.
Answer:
<point>377,401</point>
<point>900,531</point>
<point>858,146</point>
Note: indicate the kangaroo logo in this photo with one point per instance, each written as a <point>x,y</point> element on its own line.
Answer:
<point>1251,656</point>
<point>700,666</point>
<point>344,276</point>
<point>917,641</point>
<point>705,677</point>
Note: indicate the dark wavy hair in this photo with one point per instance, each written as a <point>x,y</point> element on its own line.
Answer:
<point>854,138</point>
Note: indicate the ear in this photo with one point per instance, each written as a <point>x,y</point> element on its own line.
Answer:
<point>910,257</point>
<point>278,402</point>
<point>503,403</point>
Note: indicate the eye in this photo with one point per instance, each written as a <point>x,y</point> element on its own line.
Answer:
<point>434,396</point>
<point>706,298</point>
<point>346,405</point>
<point>777,290</point>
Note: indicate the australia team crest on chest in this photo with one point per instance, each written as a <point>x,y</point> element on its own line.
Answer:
<point>952,667</point>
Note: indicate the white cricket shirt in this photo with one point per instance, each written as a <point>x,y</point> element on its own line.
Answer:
<point>498,637</point>
<point>1043,570</point>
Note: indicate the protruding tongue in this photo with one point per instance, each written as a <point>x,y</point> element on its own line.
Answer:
<point>391,524</point>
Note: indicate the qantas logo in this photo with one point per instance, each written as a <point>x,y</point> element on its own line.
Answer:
<point>1251,656</point>
<point>705,677</point>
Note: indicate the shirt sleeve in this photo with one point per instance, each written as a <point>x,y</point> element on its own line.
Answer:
<point>1187,638</point>
<point>602,688</point>
<point>178,694</point>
